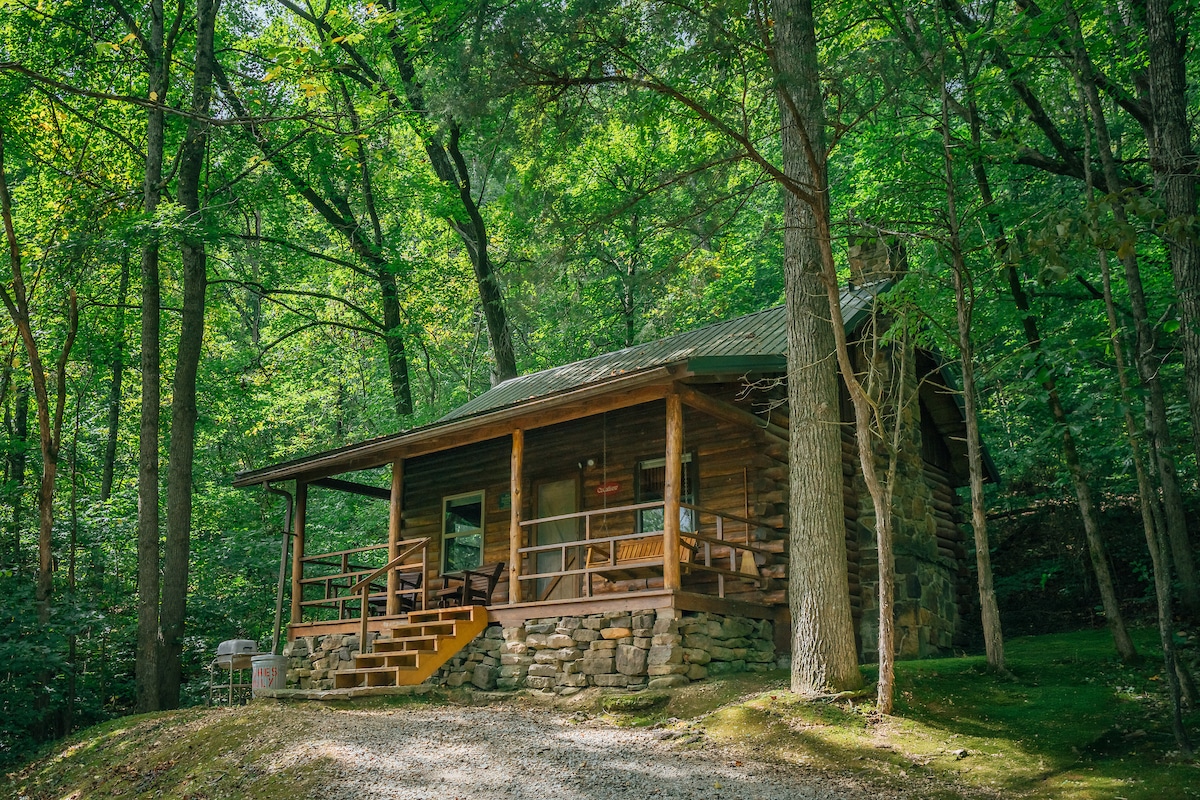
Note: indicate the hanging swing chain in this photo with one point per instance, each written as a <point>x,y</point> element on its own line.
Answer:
<point>604,471</point>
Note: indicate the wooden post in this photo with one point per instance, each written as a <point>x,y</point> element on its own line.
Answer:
<point>298,551</point>
<point>395,515</point>
<point>672,482</point>
<point>514,523</point>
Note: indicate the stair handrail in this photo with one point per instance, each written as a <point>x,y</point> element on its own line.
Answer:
<point>365,585</point>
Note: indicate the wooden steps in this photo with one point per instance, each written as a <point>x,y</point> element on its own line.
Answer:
<point>415,649</point>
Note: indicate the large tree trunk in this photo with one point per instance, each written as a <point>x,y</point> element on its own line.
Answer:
<point>1174,163</point>
<point>823,651</point>
<point>114,390</point>
<point>146,664</point>
<point>191,336</point>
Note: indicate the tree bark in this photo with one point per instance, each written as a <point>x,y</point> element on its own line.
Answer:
<point>16,302</point>
<point>336,212</point>
<point>114,390</point>
<point>146,664</point>
<point>1174,163</point>
<point>823,651</point>
<point>1159,565</point>
<point>451,168</point>
<point>17,461</point>
<point>191,336</point>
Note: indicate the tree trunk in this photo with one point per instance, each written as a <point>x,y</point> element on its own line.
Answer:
<point>1083,490</point>
<point>451,168</point>
<point>73,504</point>
<point>191,336</point>
<point>16,302</point>
<point>114,391</point>
<point>336,212</point>
<point>146,664</point>
<point>1158,561</point>
<point>474,235</point>
<point>823,652</point>
<point>1174,163</point>
<point>17,460</point>
<point>993,635</point>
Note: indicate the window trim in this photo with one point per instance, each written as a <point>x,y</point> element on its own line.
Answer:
<point>481,530</point>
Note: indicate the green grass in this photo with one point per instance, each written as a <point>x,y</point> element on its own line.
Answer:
<point>194,754</point>
<point>1070,721</point>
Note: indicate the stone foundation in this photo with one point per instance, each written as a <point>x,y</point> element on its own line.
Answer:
<point>563,655</point>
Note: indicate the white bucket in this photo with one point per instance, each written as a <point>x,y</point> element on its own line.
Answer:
<point>269,672</point>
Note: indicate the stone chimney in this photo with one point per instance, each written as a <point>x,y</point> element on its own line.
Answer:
<point>874,258</point>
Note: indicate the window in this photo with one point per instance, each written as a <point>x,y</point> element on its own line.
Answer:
<point>651,484</point>
<point>462,532</point>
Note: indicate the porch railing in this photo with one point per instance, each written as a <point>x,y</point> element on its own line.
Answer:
<point>720,545</point>
<point>347,583</point>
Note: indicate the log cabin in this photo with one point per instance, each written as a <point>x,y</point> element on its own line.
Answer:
<point>618,521</point>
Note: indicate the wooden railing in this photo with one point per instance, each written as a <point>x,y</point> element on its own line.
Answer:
<point>363,587</point>
<point>713,547</point>
<point>349,586</point>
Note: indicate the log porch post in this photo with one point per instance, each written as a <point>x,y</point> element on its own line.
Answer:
<point>514,523</point>
<point>298,551</point>
<point>673,471</point>
<point>395,516</point>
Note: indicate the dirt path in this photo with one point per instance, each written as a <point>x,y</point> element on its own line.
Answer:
<point>483,753</point>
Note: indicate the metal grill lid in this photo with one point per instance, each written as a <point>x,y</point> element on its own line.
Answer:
<point>237,647</point>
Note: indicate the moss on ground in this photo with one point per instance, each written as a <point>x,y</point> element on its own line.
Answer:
<point>194,754</point>
<point>1070,721</point>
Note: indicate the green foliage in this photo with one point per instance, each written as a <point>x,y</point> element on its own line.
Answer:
<point>619,157</point>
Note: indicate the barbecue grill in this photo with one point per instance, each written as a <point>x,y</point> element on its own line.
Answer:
<point>234,657</point>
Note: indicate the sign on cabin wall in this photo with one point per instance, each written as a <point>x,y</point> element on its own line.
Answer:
<point>505,500</point>
<point>608,488</point>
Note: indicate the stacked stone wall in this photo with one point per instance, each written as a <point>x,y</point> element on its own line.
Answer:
<point>623,650</point>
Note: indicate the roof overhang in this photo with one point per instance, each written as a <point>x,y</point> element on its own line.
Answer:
<point>619,392</point>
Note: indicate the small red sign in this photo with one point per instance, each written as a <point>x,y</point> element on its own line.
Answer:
<point>608,488</point>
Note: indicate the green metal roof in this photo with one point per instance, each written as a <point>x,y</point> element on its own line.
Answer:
<point>752,343</point>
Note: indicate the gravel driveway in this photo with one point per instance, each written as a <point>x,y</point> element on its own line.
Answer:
<point>481,753</point>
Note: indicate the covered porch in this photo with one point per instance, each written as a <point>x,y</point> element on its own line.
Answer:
<point>641,493</point>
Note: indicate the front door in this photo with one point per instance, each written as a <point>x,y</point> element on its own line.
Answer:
<point>553,499</point>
